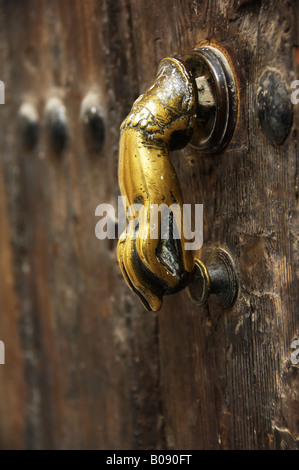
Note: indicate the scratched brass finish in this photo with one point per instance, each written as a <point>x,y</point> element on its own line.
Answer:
<point>161,120</point>
<point>217,98</point>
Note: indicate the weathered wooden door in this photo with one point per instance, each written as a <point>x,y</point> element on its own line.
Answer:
<point>85,365</point>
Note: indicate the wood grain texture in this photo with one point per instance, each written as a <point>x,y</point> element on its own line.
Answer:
<point>86,367</point>
<point>89,357</point>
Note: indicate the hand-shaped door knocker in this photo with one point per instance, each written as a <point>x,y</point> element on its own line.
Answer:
<point>193,97</point>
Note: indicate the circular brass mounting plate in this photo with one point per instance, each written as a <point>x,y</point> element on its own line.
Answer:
<point>217,98</point>
<point>224,285</point>
<point>218,279</point>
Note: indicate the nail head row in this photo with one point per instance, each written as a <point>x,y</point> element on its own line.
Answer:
<point>91,117</point>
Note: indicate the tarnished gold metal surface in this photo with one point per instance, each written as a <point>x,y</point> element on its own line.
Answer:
<point>161,120</point>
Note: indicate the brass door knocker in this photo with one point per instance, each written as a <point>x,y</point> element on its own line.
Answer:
<point>193,98</point>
